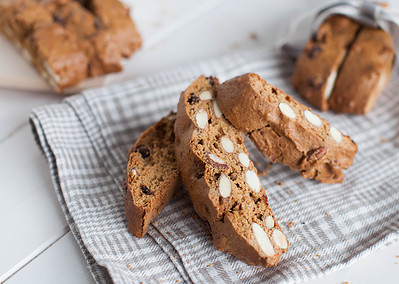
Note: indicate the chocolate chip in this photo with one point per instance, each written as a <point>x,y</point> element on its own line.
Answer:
<point>145,189</point>
<point>316,82</point>
<point>314,51</point>
<point>193,99</point>
<point>144,151</point>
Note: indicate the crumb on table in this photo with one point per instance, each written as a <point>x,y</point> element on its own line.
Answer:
<point>254,36</point>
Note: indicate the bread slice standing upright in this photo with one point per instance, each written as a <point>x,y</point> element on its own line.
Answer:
<point>151,176</point>
<point>222,181</point>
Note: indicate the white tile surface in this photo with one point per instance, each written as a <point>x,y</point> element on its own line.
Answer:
<point>34,244</point>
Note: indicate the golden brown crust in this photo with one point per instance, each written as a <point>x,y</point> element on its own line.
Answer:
<point>100,31</point>
<point>296,142</point>
<point>56,58</point>
<point>231,216</point>
<point>321,57</point>
<point>114,17</point>
<point>345,67</point>
<point>151,176</point>
<point>364,74</point>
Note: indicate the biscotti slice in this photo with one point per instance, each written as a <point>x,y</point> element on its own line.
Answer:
<point>284,130</point>
<point>365,72</point>
<point>151,176</point>
<point>56,57</point>
<point>222,181</point>
<point>317,67</point>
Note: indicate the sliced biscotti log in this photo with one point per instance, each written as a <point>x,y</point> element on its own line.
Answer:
<point>365,72</point>
<point>284,130</point>
<point>151,176</point>
<point>222,181</point>
<point>317,67</point>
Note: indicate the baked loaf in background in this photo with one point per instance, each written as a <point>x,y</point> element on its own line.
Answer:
<point>344,67</point>
<point>222,181</point>
<point>151,176</point>
<point>316,68</point>
<point>364,73</point>
<point>284,130</point>
<point>68,41</point>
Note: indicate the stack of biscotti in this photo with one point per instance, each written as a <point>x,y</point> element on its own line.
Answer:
<point>210,155</point>
<point>222,181</point>
<point>68,41</point>
<point>344,67</point>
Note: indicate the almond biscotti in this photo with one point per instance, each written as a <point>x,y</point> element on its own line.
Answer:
<point>284,130</point>
<point>151,176</point>
<point>344,67</point>
<point>222,181</point>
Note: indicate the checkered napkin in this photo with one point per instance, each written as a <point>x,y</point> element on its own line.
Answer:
<point>86,140</point>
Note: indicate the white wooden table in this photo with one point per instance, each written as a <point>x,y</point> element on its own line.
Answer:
<point>36,245</point>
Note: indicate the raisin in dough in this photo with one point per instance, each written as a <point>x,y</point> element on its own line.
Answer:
<point>222,181</point>
<point>151,176</point>
<point>284,130</point>
<point>316,68</point>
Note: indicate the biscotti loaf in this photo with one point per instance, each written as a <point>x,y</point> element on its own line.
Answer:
<point>151,176</point>
<point>316,68</point>
<point>344,66</point>
<point>284,130</point>
<point>68,41</point>
<point>222,181</point>
<point>364,73</point>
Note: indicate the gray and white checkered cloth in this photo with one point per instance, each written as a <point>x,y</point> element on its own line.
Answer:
<point>86,140</point>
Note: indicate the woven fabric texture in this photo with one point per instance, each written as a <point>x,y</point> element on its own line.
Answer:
<point>86,139</point>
